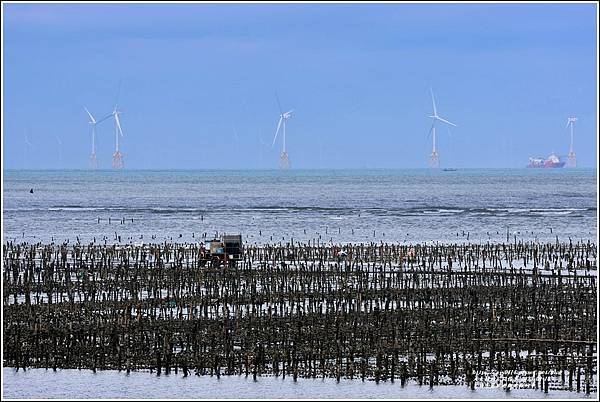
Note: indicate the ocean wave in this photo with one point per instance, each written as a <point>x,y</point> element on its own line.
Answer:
<point>556,209</point>
<point>333,212</point>
<point>555,213</point>
<point>83,209</point>
<point>442,211</point>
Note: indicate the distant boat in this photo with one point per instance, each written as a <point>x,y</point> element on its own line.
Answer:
<point>552,161</point>
<point>449,170</point>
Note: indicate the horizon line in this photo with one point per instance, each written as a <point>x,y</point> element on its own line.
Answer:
<point>298,169</point>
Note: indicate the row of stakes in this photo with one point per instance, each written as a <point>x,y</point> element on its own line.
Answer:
<point>516,315</point>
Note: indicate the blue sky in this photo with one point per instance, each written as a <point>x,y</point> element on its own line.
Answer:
<point>356,75</point>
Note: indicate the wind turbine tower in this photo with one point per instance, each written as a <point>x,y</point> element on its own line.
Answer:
<point>261,145</point>
<point>571,158</point>
<point>434,160</point>
<point>94,122</point>
<point>28,145</point>
<point>117,162</point>
<point>58,140</point>
<point>284,160</point>
<point>236,139</point>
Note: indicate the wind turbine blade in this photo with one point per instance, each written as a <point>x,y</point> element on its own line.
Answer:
<point>27,139</point>
<point>58,140</point>
<point>118,124</point>
<point>446,121</point>
<point>104,118</point>
<point>433,101</point>
<point>278,103</point>
<point>278,127</point>
<point>568,122</point>
<point>89,114</point>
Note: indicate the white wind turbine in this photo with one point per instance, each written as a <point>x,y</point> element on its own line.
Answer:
<point>320,153</point>
<point>284,160</point>
<point>58,140</point>
<point>261,145</point>
<point>572,159</point>
<point>434,158</point>
<point>27,146</point>
<point>117,156</point>
<point>94,122</point>
<point>236,139</point>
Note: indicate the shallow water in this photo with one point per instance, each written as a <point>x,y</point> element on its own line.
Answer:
<point>41,383</point>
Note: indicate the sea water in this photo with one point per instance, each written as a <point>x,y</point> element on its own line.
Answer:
<point>405,206</point>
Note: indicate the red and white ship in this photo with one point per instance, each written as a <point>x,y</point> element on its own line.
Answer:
<point>552,161</point>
